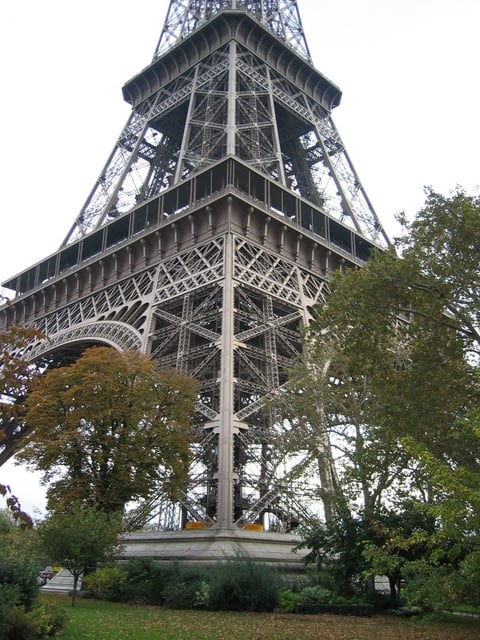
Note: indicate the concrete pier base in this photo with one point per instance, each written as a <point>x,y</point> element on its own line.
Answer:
<point>208,546</point>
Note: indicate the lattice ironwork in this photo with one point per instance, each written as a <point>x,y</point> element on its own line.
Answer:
<point>233,101</point>
<point>280,17</point>
<point>189,270</point>
<point>188,328</point>
<point>206,242</point>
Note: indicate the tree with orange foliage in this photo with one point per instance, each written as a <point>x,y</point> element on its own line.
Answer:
<point>17,374</point>
<point>108,429</point>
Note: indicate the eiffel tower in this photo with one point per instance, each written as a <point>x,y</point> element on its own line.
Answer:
<point>211,233</point>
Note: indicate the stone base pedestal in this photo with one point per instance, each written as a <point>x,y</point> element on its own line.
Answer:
<point>208,546</point>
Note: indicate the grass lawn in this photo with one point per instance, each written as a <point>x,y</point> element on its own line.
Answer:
<point>95,620</point>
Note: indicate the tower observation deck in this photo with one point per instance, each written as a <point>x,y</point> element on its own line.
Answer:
<point>210,234</point>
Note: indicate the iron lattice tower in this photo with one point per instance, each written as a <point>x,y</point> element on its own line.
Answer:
<point>209,235</point>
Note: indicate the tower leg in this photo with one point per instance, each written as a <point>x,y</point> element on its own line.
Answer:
<point>226,429</point>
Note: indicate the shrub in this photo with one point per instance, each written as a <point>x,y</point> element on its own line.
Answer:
<point>18,581</point>
<point>43,621</point>
<point>146,581</point>
<point>22,574</point>
<point>140,581</point>
<point>287,600</point>
<point>336,549</point>
<point>202,596</point>
<point>187,588</point>
<point>316,595</point>
<point>243,585</point>
<point>237,585</point>
<point>19,625</point>
<point>48,619</point>
<point>107,583</point>
<point>9,596</point>
<point>181,595</point>
<point>431,587</point>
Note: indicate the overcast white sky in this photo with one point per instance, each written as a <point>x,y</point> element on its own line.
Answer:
<point>409,117</point>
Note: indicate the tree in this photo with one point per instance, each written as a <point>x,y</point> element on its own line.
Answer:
<point>19,559</point>
<point>17,374</point>
<point>441,245</point>
<point>80,539</point>
<point>336,548</point>
<point>108,429</point>
<point>452,571</point>
<point>393,359</point>
<point>350,550</point>
<point>395,540</point>
<point>329,404</point>
<point>19,567</point>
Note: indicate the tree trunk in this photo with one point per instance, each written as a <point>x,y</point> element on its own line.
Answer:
<point>75,584</point>
<point>394,582</point>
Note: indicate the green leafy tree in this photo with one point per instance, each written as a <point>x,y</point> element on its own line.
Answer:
<point>329,405</point>
<point>393,365</point>
<point>19,559</point>
<point>441,248</point>
<point>387,370</point>
<point>451,572</point>
<point>395,540</point>
<point>19,568</point>
<point>109,429</point>
<point>340,394</point>
<point>80,539</point>
<point>336,548</point>
<point>350,550</point>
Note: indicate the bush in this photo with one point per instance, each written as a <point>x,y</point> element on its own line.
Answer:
<point>107,583</point>
<point>43,621</point>
<point>19,626</point>
<point>431,587</point>
<point>48,619</point>
<point>287,600</point>
<point>19,584</point>
<point>146,581</point>
<point>21,574</point>
<point>316,595</point>
<point>182,595</point>
<point>235,585</point>
<point>318,599</point>
<point>141,582</point>
<point>9,596</point>
<point>173,585</point>
<point>18,590</point>
<point>243,585</point>
<point>188,588</point>
<point>202,596</point>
